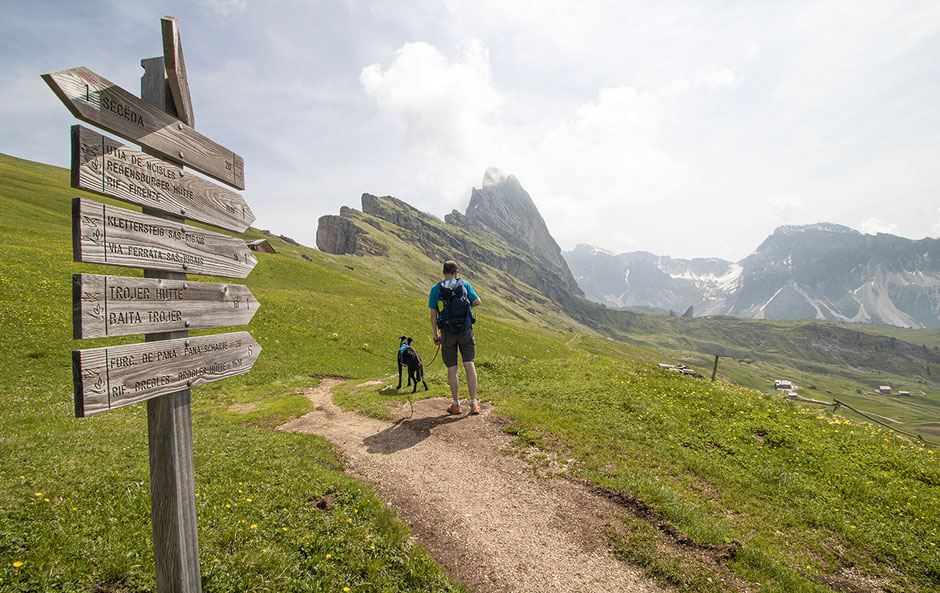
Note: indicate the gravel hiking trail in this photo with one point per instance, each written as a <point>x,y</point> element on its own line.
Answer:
<point>485,515</point>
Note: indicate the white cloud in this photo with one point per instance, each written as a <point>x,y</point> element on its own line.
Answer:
<point>935,229</point>
<point>718,79</point>
<point>622,242</point>
<point>226,7</point>
<point>444,105</point>
<point>785,207</point>
<point>876,225</point>
<point>606,151</point>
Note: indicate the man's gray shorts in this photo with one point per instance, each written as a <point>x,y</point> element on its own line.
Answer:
<point>450,342</point>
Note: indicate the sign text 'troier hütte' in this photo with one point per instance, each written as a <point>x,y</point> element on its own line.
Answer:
<point>105,306</point>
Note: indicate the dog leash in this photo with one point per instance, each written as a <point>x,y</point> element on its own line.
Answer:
<point>433,359</point>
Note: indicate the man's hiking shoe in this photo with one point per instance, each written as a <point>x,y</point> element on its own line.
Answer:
<point>454,409</point>
<point>474,409</point>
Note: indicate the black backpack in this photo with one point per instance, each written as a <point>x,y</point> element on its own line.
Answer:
<point>454,313</point>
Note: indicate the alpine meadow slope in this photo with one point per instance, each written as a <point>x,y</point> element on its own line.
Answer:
<point>503,243</point>
<point>723,488</point>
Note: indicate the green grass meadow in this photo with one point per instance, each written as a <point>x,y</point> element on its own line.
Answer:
<point>809,501</point>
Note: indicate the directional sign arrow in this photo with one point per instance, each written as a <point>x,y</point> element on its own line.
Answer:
<point>107,378</point>
<point>103,234</point>
<point>104,306</point>
<point>107,167</point>
<point>98,101</point>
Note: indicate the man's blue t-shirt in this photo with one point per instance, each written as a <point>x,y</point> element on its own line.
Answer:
<point>432,299</point>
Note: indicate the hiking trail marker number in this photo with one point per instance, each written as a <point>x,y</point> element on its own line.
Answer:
<point>164,305</point>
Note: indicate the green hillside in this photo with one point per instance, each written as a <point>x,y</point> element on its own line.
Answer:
<point>828,361</point>
<point>724,488</point>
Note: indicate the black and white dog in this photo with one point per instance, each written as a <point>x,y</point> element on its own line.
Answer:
<point>408,356</point>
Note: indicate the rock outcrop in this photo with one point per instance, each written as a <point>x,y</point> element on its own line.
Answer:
<point>504,207</point>
<point>338,235</point>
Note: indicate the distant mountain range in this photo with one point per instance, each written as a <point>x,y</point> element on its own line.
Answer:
<point>821,271</point>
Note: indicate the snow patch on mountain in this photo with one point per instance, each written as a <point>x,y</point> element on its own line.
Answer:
<point>819,271</point>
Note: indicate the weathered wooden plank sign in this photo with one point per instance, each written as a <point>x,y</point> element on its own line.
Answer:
<point>103,234</point>
<point>176,69</point>
<point>104,306</point>
<point>107,167</point>
<point>98,101</point>
<point>107,378</point>
<point>164,305</point>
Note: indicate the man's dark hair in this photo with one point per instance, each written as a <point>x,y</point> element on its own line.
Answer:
<point>450,267</point>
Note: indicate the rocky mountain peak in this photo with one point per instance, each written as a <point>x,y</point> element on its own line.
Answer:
<point>504,207</point>
<point>502,229</point>
<point>493,176</point>
<point>819,227</point>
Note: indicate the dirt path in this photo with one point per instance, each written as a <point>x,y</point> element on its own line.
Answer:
<point>484,515</point>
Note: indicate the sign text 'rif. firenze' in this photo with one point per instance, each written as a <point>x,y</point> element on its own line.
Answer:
<point>110,168</point>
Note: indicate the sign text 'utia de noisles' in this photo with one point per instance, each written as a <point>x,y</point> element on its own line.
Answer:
<point>107,167</point>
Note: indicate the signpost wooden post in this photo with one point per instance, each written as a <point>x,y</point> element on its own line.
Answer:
<point>163,305</point>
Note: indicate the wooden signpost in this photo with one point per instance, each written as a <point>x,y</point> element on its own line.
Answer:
<point>107,167</point>
<point>105,306</point>
<point>103,234</point>
<point>163,305</point>
<point>107,378</point>
<point>176,70</point>
<point>98,101</point>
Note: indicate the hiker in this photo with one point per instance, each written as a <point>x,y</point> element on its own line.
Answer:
<point>450,302</point>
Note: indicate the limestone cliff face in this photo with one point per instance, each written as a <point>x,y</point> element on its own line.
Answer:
<point>502,229</point>
<point>337,235</point>
<point>340,235</point>
<point>504,207</point>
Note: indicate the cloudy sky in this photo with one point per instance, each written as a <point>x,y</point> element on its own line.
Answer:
<point>690,129</point>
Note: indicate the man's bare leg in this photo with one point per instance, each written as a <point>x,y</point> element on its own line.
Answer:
<point>471,370</point>
<point>454,385</point>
